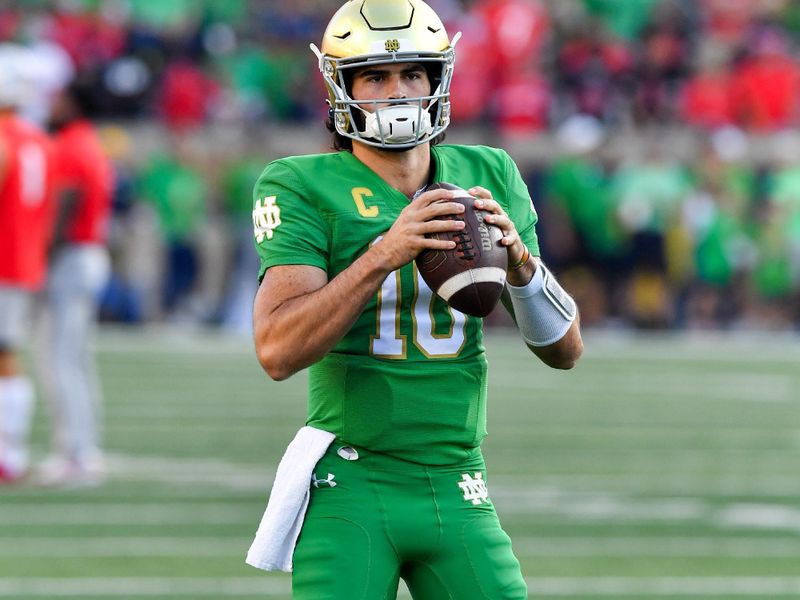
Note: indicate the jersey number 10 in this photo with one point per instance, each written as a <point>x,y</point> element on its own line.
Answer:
<point>388,342</point>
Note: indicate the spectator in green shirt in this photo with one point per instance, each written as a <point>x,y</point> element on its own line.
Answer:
<point>178,193</point>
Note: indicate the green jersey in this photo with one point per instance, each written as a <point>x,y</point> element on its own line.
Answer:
<point>409,378</point>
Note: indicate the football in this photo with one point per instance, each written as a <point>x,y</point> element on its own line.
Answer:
<point>471,277</point>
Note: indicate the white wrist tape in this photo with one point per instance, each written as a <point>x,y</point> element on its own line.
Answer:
<point>543,310</point>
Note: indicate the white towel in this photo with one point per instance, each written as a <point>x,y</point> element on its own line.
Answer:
<point>275,539</point>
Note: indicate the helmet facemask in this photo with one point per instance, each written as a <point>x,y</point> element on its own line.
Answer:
<point>399,123</point>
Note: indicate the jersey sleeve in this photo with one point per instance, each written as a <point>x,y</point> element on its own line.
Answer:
<point>520,206</point>
<point>287,226</point>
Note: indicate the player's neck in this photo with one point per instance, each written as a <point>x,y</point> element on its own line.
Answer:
<point>405,171</point>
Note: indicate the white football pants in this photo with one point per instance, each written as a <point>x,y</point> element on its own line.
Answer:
<point>66,362</point>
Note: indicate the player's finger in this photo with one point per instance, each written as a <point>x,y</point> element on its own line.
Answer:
<point>509,240</point>
<point>480,192</point>
<point>439,225</point>
<point>434,196</point>
<point>500,220</point>
<point>489,205</point>
<point>440,209</point>
<point>434,243</point>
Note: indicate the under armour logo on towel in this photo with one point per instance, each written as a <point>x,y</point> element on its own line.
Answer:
<point>474,488</point>
<point>328,482</point>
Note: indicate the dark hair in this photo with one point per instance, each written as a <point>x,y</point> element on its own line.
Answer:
<point>80,95</point>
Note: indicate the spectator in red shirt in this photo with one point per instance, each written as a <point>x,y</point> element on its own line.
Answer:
<point>186,95</point>
<point>766,86</point>
<point>473,80</point>
<point>79,271</point>
<point>519,29</point>
<point>522,103</point>
<point>705,100</point>
<point>26,216</point>
<point>90,38</point>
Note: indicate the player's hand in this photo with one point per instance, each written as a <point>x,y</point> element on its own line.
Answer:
<point>407,236</point>
<point>498,217</point>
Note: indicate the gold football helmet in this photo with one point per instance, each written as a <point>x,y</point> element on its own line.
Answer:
<point>376,32</point>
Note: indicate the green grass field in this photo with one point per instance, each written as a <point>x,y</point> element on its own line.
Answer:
<point>662,467</point>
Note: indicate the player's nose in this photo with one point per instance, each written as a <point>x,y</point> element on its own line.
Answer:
<point>397,88</point>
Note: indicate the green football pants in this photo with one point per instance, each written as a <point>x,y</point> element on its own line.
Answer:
<point>374,519</point>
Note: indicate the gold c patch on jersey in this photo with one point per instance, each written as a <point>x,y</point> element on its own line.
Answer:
<point>369,212</point>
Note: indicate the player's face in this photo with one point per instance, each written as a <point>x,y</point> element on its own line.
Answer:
<point>394,81</point>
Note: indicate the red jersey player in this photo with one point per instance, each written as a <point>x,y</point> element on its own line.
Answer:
<point>26,217</point>
<point>78,272</point>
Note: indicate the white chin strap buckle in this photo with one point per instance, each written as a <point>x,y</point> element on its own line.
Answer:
<point>398,124</point>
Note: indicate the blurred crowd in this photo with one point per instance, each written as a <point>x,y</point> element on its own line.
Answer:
<point>706,235</point>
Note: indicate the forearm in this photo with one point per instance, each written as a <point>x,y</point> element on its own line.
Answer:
<point>564,353</point>
<point>550,328</point>
<point>302,329</point>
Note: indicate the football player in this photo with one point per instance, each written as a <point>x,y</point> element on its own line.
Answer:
<point>397,376</point>
<point>80,267</point>
<point>26,218</point>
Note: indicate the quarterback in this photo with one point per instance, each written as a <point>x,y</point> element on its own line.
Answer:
<point>397,378</point>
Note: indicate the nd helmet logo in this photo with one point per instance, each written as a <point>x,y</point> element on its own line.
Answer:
<point>392,45</point>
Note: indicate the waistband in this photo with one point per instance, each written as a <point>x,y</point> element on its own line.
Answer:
<point>473,459</point>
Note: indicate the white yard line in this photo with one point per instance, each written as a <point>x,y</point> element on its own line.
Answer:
<point>656,546</point>
<point>620,508</point>
<point>524,546</point>
<point>584,587</point>
<point>706,486</point>
<point>191,471</point>
<point>615,587</point>
<point>98,547</point>
<point>195,587</point>
<point>721,386</point>
<point>199,477</point>
<point>127,513</point>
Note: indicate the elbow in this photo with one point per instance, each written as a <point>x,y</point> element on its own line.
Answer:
<point>568,357</point>
<point>564,364</point>
<point>277,374</point>
<point>566,352</point>
<point>273,364</point>
<point>562,355</point>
